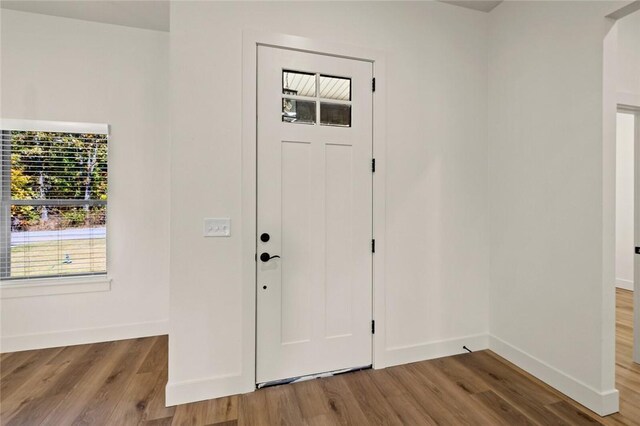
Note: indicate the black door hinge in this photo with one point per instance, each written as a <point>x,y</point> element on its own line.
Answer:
<point>373,165</point>
<point>373,84</point>
<point>373,246</point>
<point>373,326</point>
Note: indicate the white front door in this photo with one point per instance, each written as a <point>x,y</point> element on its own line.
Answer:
<point>314,301</point>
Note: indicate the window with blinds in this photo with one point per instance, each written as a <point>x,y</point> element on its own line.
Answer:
<point>53,214</point>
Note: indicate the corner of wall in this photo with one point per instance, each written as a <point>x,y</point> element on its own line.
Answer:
<point>431,350</point>
<point>209,388</point>
<point>602,403</point>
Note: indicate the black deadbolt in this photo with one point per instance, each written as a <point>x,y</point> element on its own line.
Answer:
<point>264,237</point>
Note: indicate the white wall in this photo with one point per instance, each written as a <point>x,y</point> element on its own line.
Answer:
<point>70,70</point>
<point>549,311</point>
<point>551,186</point>
<point>629,54</point>
<point>436,188</point>
<point>625,140</point>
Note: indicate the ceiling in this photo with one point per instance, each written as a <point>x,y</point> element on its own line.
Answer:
<point>481,5</point>
<point>148,14</point>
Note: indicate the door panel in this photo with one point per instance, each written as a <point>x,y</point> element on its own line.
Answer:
<point>314,200</point>
<point>339,239</point>
<point>296,242</point>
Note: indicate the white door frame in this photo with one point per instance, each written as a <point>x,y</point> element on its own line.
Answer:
<point>628,105</point>
<point>251,41</point>
<point>636,274</point>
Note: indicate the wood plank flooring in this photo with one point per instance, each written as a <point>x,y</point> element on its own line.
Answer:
<point>122,383</point>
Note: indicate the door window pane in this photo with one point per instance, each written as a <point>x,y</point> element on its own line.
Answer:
<point>335,114</point>
<point>335,88</point>
<point>297,111</point>
<point>298,83</point>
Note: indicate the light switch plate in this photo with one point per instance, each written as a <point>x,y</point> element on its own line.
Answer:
<point>217,227</point>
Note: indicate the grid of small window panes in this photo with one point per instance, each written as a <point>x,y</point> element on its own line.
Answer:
<point>309,98</point>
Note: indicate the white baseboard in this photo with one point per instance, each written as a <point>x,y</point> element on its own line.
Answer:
<point>624,284</point>
<point>602,403</point>
<point>82,336</point>
<point>430,350</point>
<point>216,387</point>
<point>209,388</point>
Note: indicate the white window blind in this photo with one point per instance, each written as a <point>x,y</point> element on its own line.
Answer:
<point>53,213</point>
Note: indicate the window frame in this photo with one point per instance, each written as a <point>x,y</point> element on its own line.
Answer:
<point>41,285</point>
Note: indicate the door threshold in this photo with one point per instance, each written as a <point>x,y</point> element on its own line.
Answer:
<point>310,377</point>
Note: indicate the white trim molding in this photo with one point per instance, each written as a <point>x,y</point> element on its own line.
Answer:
<point>624,284</point>
<point>430,350</point>
<point>30,287</point>
<point>53,126</point>
<point>83,336</point>
<point>602,403</point>
<point>203,389</point>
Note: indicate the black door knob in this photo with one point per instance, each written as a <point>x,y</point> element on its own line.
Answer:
<point>264,237</point>
<point>265,257</point>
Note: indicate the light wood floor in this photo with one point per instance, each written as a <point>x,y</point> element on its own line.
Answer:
<point>122,383</point>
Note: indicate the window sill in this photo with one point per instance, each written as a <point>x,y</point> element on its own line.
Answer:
<point>50,286</point>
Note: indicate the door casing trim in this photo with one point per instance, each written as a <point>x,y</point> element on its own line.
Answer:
<point>251,39</point>
<point>629,105</point>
